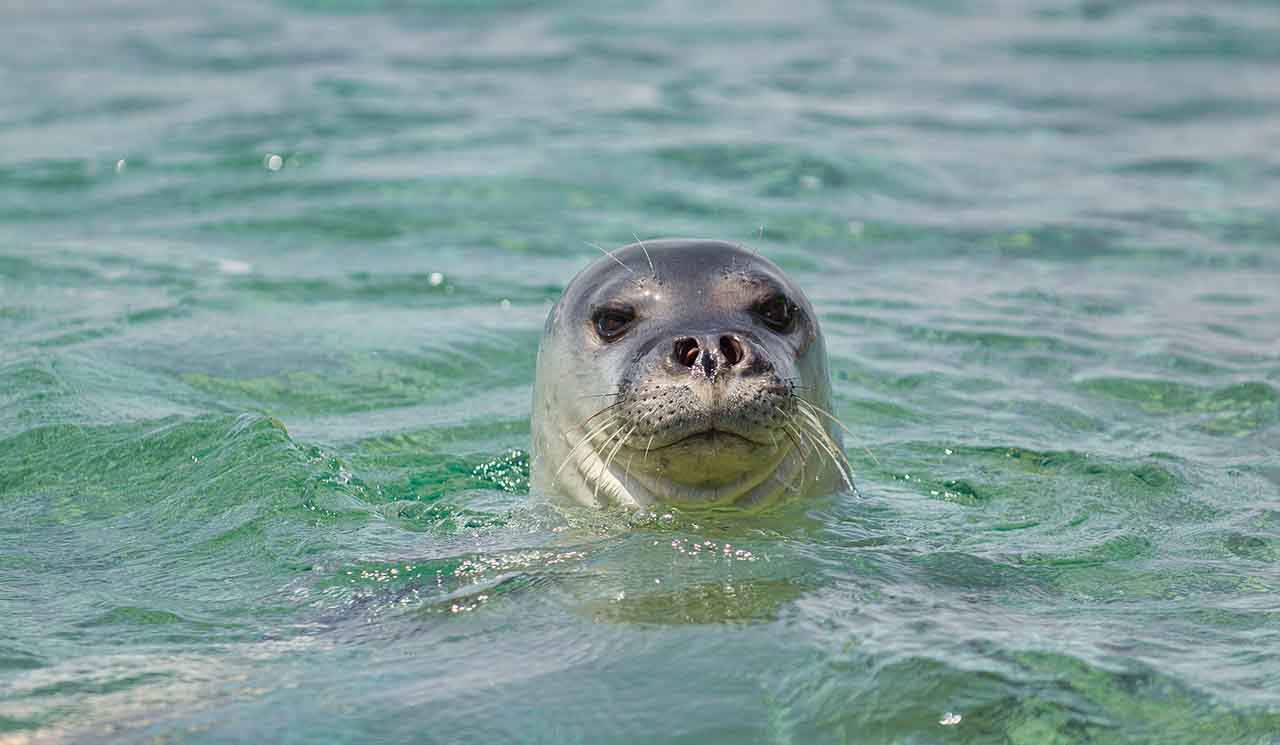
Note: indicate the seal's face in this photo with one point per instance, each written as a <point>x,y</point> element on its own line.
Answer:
<point>678,371</point>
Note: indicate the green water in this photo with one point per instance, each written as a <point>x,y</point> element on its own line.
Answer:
<point>271,282</point>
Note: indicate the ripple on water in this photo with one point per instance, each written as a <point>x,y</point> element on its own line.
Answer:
<point>272,280</point>
<point>1235,410</point>
<point>777,171</point>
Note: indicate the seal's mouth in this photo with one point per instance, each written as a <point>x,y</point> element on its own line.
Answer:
<point>712,437</point>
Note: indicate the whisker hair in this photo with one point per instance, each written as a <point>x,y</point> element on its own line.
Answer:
<point>608,422</point>
<point>610,407</point>
<point>824,441</point>
<point>610,255</point>
<point>840,424</point>
<point>646,254</point>
<point>605,467</point>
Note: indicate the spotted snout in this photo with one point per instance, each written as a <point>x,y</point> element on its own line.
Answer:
<point>665,412</point>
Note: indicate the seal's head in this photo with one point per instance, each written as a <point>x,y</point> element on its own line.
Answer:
<point>683,371</point>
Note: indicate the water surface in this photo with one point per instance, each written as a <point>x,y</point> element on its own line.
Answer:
<point>271,282</point>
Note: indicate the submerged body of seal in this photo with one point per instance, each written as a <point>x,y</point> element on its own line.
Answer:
<point>683,372</point>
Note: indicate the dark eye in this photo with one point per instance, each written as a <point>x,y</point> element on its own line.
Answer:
<point>612,323</point>
<point>777,312</point>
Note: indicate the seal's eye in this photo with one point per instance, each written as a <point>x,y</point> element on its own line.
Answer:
<point>777,312</point>
<point>612,323</point>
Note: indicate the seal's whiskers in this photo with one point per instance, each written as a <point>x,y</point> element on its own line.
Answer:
<point>600,467</point>
<point>827,445</point>
<point>819,410</point>
<point>824,439</point>
<point>608,422</point>
<point>647,257</point>
<point>610,255</point>
<point>611,406</point>
<point>789,428</point>
<point>799,439</point>
<point>808,429</point>
<point>608,460</point>
<point>791,435</point>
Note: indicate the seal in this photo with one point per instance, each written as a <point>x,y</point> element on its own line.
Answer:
<point>686,372</point>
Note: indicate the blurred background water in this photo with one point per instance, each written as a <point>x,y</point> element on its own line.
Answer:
<point>272,277</point>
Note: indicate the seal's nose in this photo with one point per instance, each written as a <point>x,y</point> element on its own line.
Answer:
<point>686,352</point>
<point>711,354</point>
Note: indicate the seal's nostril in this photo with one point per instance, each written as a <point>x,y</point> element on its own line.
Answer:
<point>732,350</point>
<point>686,352</point>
